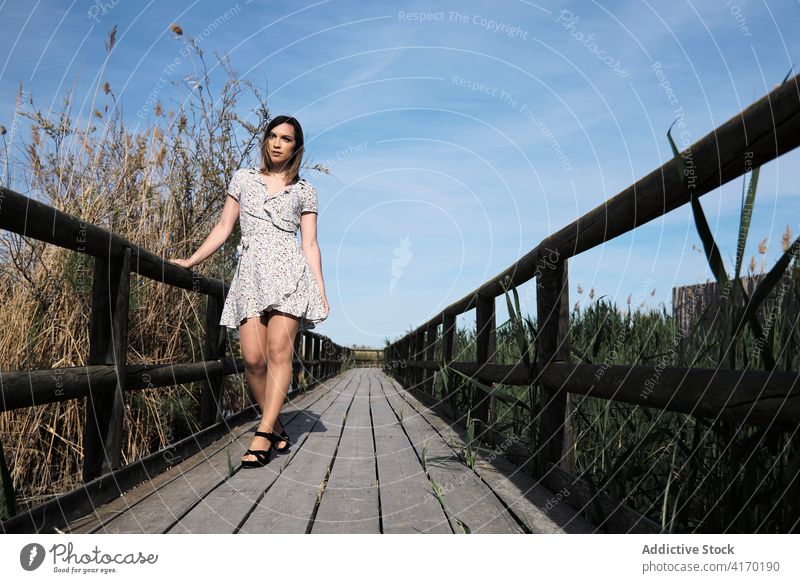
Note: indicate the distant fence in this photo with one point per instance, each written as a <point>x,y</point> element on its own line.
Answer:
<point>368,358</point>
<point>702,308</point>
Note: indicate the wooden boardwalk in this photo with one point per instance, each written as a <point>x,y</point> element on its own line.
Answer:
<point>366,457</point>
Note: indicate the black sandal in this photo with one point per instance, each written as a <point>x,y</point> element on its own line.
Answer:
<point>262,455</point>
<point>283,437</point>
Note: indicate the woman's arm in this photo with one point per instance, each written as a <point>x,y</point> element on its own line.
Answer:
<point>308,234</point>
<point>218,235</point>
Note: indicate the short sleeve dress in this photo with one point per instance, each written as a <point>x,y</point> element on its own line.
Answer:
<point>272,271</point>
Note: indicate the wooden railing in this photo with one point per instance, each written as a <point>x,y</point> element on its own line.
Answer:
<point>107,375</point>
<point>762,132</point>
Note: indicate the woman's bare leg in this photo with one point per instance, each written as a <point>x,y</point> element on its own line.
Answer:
<point>281,331</point>
<point>253,342</point>
<point>263,342</point>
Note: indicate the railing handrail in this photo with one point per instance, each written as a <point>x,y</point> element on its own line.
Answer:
<point>32,218</point>
<point>762,132</point>
<point>661,191</point>
<point>107,375</point>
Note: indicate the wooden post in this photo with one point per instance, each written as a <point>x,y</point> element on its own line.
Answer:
<point>406,342</point>
<point>419,356</point>
<point>410,371</point>
<point>108,344</point>
<point>448,346</point>
<point>326,355</point>
<point>210,406</point>
<point>323,355</point>
<point>317,368</point>
<point>430,337</point>
<point>486,347</point>
<point>552,310</point>
<point>308,351</point>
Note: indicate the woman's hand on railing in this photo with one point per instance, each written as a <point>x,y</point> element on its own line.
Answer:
<point>182,262</point>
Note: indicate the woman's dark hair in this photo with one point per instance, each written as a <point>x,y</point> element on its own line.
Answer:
<point>296,159</point>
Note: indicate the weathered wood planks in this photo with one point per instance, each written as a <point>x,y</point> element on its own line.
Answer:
<point>356,466</point>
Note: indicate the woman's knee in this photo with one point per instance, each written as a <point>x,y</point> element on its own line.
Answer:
<point>254,362</point>
<point>279,352</point>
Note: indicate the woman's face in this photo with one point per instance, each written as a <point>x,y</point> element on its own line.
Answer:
<point>280,143</point>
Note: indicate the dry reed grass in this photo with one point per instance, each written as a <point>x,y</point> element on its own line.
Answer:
<point>161,186</point>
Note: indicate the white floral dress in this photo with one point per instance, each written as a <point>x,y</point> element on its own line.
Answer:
<point>272,272</point>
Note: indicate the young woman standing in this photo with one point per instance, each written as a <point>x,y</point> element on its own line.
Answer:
<point>278,288</point>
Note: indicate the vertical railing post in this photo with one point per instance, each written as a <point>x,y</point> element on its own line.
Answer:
<point>552,311</point>
<point>430,345</point>
<point>317,367</point>
<point>448,346</point>
<point>326,354</point>
<point>410,371</point>
<point>308,350</point>
<point>406,350</point>
<point>324,348</point>
<point>210,406</point>
<point>108,344</point>
<point>337,367</point>
<point>323,355</point>
<point>419,356</point>
<point>486,346</point>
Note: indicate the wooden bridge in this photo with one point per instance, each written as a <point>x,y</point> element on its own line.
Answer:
<point>367,457</point>
<point>374,450</point>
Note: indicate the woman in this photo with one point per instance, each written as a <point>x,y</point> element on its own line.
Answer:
<point>277,289</point>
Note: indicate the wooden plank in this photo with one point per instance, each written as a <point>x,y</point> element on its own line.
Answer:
<point>467,500</point>
<point>158,512</point>
<point>56,513</point>
<point>753,396</point>
<point>107,512</point>
<point>289,503</point>
<point>540,509</point>
<point>350,502</point>
<point>33,388</point>
<point>408,502</point>
<point>225,507</point>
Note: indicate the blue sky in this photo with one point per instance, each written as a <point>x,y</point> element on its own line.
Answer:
<point>459,134</point>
